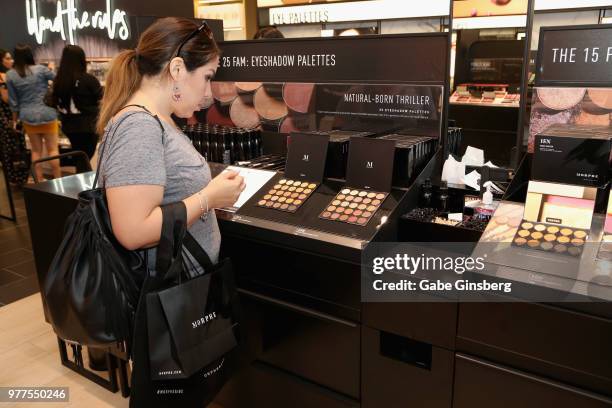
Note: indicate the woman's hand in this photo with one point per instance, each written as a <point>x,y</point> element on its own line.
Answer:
<point>224,190</point>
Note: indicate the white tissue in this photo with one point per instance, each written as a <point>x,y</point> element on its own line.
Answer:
<point>473,157</point>
<point>453,171</point>
<point>472,180</point>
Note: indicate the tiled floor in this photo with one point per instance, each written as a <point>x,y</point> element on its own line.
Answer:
<point>17,271</point>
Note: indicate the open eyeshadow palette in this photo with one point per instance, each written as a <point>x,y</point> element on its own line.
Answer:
<point>353,206</point>
<point>551,238</point>
<point>287,195</point>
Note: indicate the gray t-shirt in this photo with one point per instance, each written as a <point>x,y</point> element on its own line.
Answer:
<point>137,155</point>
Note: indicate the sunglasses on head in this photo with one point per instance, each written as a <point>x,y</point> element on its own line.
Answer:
<point>202,28</point>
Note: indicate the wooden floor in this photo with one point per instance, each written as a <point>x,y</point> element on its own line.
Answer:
<point>29,357</point>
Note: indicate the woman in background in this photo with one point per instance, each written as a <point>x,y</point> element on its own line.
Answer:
<point>6,63</point>
<point>76,95</point>
<point>28,84</point>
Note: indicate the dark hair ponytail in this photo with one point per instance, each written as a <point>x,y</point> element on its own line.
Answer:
<point>23,59</point>
<point>156,48</point>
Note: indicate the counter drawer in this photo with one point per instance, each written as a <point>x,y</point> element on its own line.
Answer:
<point>431,322</point>
<point>482,384</point>
<point>320,348</point>
<point>571,347</point>
<point>398,372</point>
<point>262,386</point>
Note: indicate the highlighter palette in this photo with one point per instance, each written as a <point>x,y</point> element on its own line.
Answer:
<point>287,195</point>
<point>353,206</point>
<point>550,238</point>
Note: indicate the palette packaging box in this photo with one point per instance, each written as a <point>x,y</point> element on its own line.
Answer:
<point>568,105</point>
<point>573,154</point>
<point>557,218</point>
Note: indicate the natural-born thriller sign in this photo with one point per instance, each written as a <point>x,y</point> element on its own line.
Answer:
<point>575,56</point>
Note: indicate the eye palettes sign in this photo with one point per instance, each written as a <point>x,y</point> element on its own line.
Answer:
<point>575,56</point>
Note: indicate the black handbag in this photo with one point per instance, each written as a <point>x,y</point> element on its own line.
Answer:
<point>93,284</point>
<point>186,335</point>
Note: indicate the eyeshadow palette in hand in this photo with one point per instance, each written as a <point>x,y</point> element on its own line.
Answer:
<point>353,206</point>
<point>550,238</point>
<point>287,195</point>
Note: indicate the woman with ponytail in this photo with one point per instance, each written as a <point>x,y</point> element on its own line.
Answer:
<point>147,161</point>
<point>168,73</point>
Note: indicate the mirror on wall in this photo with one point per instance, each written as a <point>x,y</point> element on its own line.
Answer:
<point>488,49</point>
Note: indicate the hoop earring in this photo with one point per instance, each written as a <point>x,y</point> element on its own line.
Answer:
<point>176,94</point>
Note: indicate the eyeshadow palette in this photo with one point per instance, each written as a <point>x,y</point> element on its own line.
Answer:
<point>550,238</point>
<point>353,206</point>
<point>287,195</point>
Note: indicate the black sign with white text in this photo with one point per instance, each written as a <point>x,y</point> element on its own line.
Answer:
<point>417,58</point>
<point>575,56</point>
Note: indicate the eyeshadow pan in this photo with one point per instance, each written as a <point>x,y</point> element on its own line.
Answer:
<point>566,231</point>
<point>523,233</point>
<point>537,235</point>
<point>533,243</point>
<point>560,248</point>
<point>578,242</point>
<point>553,230</point>
<point>550,237</point>
<point>351,206</point>
<point>580,234</point>
<point>520,241</point>
<point>540,227</point>
<point>547,246</point>
<point>288,194</point>
<point>527,225</point>
<point>563,240</point>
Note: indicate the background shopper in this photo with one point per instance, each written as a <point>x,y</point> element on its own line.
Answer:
<point>268,32</point>
<point>6,64</point>
<point>28,84</point>
<point>77,94</point>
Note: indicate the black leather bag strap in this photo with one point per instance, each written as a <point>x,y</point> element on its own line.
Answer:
<point>169,250</point>
<point>196,250</point>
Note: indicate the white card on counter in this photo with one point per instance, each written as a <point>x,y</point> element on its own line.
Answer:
<point>254,180</point>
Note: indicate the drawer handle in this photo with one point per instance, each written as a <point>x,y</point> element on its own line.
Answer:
<point>298,309</point>
<point>405,350</point>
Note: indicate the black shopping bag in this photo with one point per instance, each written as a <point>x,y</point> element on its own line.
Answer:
<point>186,327</point>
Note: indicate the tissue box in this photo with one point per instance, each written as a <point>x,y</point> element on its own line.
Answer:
<point>573,154</point>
